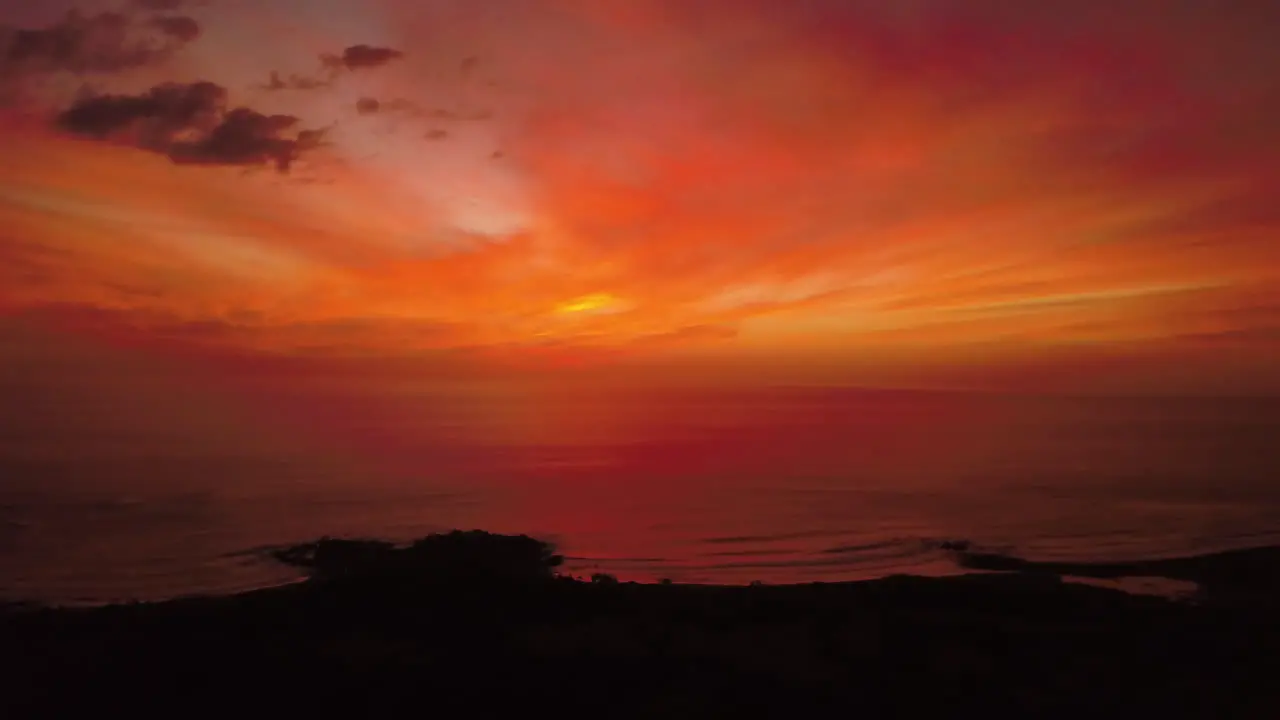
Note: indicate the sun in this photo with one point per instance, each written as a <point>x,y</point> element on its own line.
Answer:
<point>595,302</point>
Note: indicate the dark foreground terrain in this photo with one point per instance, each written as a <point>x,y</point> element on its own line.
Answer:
<point>477,625</point>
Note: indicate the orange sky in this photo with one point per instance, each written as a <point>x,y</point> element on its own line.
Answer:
<point>831,187</point>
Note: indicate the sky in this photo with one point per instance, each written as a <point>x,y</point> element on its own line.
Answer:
<point>1046,195</point>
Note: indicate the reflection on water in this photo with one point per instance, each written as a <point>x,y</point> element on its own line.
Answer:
<point>778,485</point>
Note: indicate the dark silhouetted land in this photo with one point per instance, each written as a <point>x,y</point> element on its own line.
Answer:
<point>479,625</point>
<point>1230,578</point>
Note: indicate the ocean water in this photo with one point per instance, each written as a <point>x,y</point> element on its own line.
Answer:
<point>103,502</point>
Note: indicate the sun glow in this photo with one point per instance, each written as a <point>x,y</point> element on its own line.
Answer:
<point>595,302</point>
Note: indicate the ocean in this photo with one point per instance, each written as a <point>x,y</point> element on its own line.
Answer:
<point>99,502</point>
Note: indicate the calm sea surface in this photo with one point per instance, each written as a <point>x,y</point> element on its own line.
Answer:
<point>777,485</point>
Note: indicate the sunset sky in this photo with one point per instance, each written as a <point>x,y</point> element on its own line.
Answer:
<point>847,190</point>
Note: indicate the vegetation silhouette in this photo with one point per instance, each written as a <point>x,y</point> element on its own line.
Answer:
<point>473,556</point>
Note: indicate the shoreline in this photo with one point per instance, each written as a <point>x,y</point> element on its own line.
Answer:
<point>481,624</point>
<point>1176,576</point>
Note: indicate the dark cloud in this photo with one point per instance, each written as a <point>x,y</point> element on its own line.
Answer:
<point>191,124</point>
<point>159,5</point>
<point>455,115</point>
<point>103,43</point>
<point>371,105</point>
<point>245,137</point>
<point>178,27</point>
<point>356,57</point>
<point>155,118</point>
<point>436,134</point>
<point>294,82</point>
<point>359,57</point>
